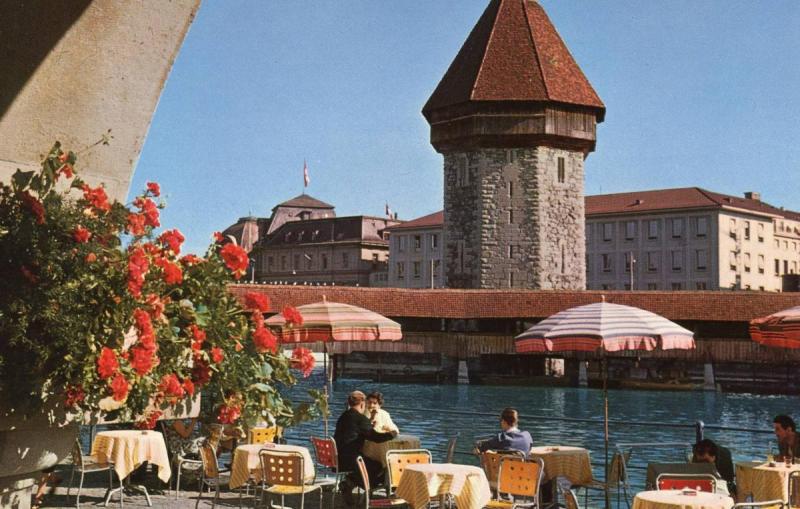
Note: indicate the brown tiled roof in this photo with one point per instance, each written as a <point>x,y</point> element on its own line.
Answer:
<point>679,198</point>
<point>304,201</point>
<point>314,231</point>
<point>431,220</point>
<point>723,306</point>
<point>514,54</point>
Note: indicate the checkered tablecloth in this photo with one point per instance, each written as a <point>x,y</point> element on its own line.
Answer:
<point>128,449</point>
<point>467,484</point>
<point>570,462</point>
<point>763,481</point>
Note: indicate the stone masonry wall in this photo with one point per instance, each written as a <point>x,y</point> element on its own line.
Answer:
<point>509,222</point>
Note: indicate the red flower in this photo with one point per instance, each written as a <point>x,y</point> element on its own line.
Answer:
<point>257,301</point>
<point>201,373</point>
<point>303,359</point>
<point>96,197</point>
<point>171,386</point>
<point>66,170</point>
<point>107,363</point>
<point>29,275</point>
<point>137,268</point>
<point>258,319</point>
<point>74,396</point>
<point>120,387</point>
<point>229,414</point>
<point>173,274</point>
<point>154,188</point>
<point>91,258</point>
<point>135,224</point>
<point>149,210</point>
<point>81,234</point>
<point>191,259</point>
<point>217,355</point>
<point>156,306</point>
<point>172,239</point>
<point>238,346</point>
<point>143,360</point>
<point>235,259</point>
<point>188,386</point>
<point>218,238</point>
<point>199,336</point>
<point>264,340</point>
<point>292,316</point>
<point>34,205</point>
<point>150,421</point>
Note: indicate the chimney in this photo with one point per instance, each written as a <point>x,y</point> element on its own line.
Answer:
<point>752,195</point>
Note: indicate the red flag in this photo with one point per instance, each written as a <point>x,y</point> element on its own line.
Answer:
<point>306,178</point>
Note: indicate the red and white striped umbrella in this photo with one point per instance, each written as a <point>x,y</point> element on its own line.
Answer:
<point>603,326</point>
<point>334,321</point>
<point>781,329</point>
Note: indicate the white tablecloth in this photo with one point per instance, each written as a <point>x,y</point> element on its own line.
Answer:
<point>467,484</point>
<point>128,449</point>
<point>677,499</point>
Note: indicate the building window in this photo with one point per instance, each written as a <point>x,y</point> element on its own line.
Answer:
<point>588,264</point>
<point>434,241</point>
<point>608,232</point>
<point>401,270</point>
<point>283,262</point>
<point>510,188</point>
<point>701,259</point>
<point>561,171</point>
<point>677,228</point>
<point>794,267</point>
<point>296,262</point>
<point>511,250</point>
<point>732,229</point>
<point>628,258</point>
<point>417,242</point>
<point>510,216</point>
<point>511,280</point>
<point>652,286</point>
<point>677,286</point>
<point>437,265</point>
<point>760,264</point>
<point>375,257</point>
<point>630,230</point>
<point>747,262</point>
<point>785,266</point>
<point>677,261</point>
<point>417,272</point>
<point>777,267</point>
<point>732,260</point>
<point>462,173</point>
<point>652,229</point>
<point>700,285</point>
<point>270,263</point>
<point>401,243</point>
<point>345,260</point>
<point>747,230</point>
<point>652,261</point>
<point>761,232</point>
<point>606,287</point>
<point>627,286</point>
<point>324,261</point>
<point>607,262</point>
<point>702,227</point>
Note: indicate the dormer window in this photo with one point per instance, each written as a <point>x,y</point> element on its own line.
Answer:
<point>305,215</point>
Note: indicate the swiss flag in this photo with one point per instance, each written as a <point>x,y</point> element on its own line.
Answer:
<point>306,178</point>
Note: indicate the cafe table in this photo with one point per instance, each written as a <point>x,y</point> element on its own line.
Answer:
<point>681,499</point>
<point>570,462</point>
<point>247,464</point>
<point>467,485</point>
<point>377,450</point>
<point>128,449</point>
<point>762,481</point>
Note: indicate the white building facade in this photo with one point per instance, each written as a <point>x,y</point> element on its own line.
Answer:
<point>415,253</point>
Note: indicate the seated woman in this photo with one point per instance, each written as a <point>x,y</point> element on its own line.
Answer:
<point>380,419</point>
<point>183,438</point>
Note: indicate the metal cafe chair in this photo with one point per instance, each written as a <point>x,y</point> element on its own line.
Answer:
<point>490,462</point>
<point>699,482</point>
<point>181,463</point>
<point>793,502</point>
<point>398,459</point>
<point>777,504</point>
<point>451,448</point>
<point>264,435</point>
<point>212,476</point>
<point>89,464</point>
<point>283,473</point>
<point>570,498</point>
<point>370,503</point>
<point>328,460</point>
<point>617,478</point>
<point>518,479</point>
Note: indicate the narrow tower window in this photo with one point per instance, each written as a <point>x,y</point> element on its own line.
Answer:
<point>510,188</point>
<point>561,170</point>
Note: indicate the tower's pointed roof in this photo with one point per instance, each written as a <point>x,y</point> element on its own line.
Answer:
<point>514,54</point>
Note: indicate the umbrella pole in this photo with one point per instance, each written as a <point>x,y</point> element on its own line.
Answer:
<point>604,362</point>
<point>325,367</point>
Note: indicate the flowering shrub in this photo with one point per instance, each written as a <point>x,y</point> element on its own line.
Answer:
<point>99,312</point>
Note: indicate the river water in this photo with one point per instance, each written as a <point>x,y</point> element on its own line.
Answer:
<point>436,412</point>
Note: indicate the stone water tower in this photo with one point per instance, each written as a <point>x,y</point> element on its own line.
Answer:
<point>514,118</point>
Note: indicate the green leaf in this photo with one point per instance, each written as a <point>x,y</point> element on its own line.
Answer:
<point>21,179</point>
<point>262,388</point>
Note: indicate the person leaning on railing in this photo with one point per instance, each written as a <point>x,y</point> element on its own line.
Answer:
<point>786,433</point>
<point>510,437</point>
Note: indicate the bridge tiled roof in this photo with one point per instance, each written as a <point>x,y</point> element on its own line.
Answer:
<point>723,306</point>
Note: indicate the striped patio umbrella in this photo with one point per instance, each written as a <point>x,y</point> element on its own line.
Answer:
<point>780,330</point>
<point>333,321</point>
<point>604,327</point>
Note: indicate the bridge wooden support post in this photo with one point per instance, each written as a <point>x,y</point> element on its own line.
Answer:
<point>463,372</point>
<point>583,376</point>
<point>709,383</point>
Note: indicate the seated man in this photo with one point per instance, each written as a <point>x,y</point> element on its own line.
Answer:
<point>786,433</point>
<point>706,451</point>
<point>511,437</point>
<point>352,428</point>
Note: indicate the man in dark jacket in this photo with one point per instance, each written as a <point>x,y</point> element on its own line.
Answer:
<point>706,451</point>
<point>352,428</point>
<point>511,437</point>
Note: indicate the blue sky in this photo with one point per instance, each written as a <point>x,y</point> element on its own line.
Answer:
<point>698,93</point>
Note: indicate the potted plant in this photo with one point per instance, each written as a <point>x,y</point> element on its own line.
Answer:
<point>102,315</point>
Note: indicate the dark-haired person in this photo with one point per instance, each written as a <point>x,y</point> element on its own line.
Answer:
<point>510,437</point>
<point>380,418</point>
<point>786,433</point>
<point>352,429</point>
<point>706,451</point>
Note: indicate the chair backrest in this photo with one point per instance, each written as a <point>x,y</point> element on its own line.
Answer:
<point>519,477</point>
<point>490,462</point>
<point>208,455</point>
<point>263,435</point>
<point>77,454</point>
<point>362,469</point>
<point>570,499</point>
<point>281,468</point>
<point>325,451</point>
<point>794,490</point>
<point>398,459</point>
<point>618,469</point>
<point>451,448</point>
<point>699,482</point>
